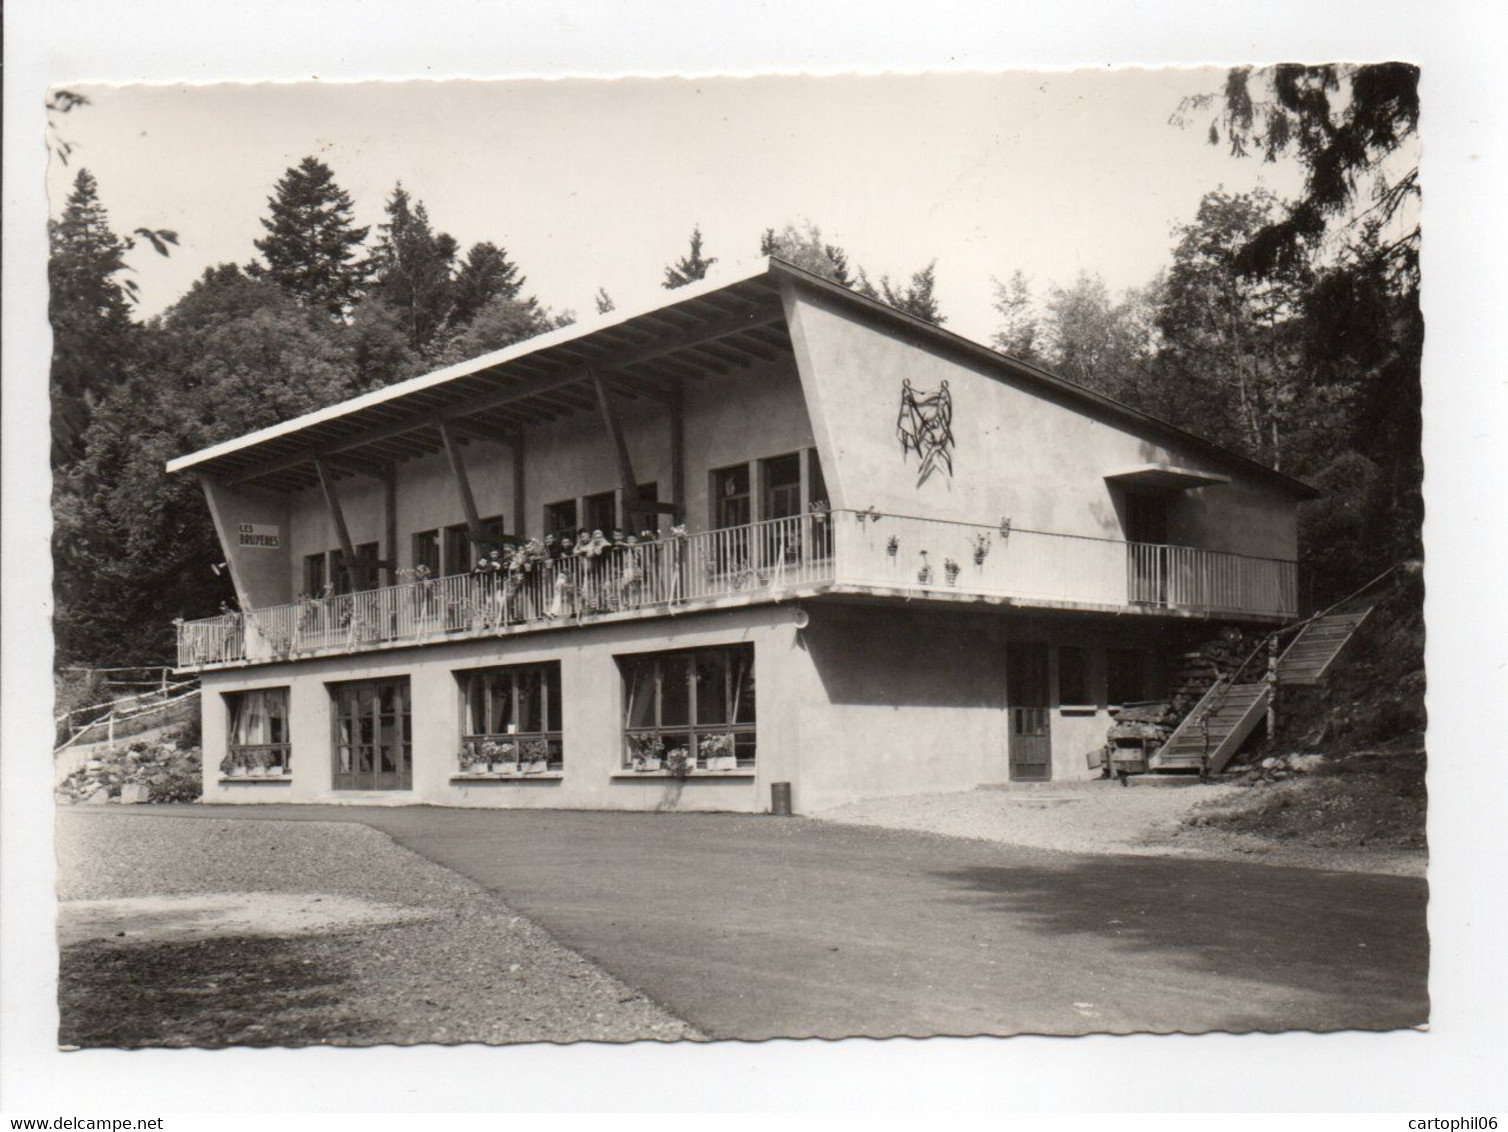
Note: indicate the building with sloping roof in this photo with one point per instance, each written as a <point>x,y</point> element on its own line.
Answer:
<point>766,531</point>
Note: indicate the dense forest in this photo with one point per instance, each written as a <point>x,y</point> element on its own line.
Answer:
<point>1289,330</point>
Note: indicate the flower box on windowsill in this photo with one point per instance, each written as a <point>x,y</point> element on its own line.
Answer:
<point>736,772</point>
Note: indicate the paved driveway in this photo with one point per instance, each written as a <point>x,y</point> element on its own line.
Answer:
<point>757,927</point>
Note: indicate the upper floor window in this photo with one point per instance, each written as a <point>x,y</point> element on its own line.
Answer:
<point>601,512</point>
<point>425,551</point>
<point>457,549</point>
<point>460,553</point>
<point>314,574</point>
<point>644,520</point>
<point>560,519</point>
<point>515,712</point>
<point>259,741</point>
<point>697,704</point>
<point>730,495</point>
<point>365,572</point>
<point>782,486</point>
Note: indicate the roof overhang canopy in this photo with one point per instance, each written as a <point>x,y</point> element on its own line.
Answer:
<point>708,328</point>
<point>1165,476</point>
<point>728,321</point>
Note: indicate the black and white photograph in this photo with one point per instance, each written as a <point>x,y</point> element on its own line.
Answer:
<point>644,563</point>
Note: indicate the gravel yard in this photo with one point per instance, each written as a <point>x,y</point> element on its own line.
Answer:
<point>217,933</point>
<point>1101,816</point>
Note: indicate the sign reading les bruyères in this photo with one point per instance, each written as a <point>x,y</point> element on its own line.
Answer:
<point>264,535</point>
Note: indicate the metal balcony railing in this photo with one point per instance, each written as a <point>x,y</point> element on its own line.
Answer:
<point>759,560</point>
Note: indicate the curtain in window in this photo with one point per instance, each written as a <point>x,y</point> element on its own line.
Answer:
<point>258,718</point>
<point>743,686</point>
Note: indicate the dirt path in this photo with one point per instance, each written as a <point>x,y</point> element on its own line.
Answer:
<point>179,933</point>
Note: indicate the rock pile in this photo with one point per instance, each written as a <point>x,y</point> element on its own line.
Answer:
<point>1275,768</point>
<point>140,772</point>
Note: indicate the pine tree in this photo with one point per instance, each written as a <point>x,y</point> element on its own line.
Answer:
<point>604,301</point>
<point>89,308</point>
<point>486,274</point>
<point>311,242</point>
<point>132,545</point>
<point>689,268</point>
<point>411,270</point>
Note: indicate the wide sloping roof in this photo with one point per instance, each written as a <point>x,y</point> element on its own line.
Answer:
<point>732,318</point>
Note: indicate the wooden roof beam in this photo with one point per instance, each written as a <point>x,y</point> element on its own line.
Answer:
<point>702,332</point>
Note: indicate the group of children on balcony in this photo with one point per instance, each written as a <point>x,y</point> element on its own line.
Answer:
<point>591,573</point>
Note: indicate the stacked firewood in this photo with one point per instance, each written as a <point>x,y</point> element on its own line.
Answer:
<point>1138,731</point>
<point>1201,667</point>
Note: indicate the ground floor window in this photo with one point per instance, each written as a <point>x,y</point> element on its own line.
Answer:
<point>259,740</point>
<point>512,718</point>
<point>1074,677</point>
<point>693,707</point>
<point>373,735</point>
<point>1126,676</point>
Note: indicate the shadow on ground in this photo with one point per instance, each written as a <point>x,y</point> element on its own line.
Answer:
<point>1360,942</point>
<point>226,991</point>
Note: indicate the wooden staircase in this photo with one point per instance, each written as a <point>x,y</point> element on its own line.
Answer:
<point>1306,660</point>
<point>1216,728</point>
<point>1220,722</point>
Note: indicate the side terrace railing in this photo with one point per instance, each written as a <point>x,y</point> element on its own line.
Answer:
<point>860,548</point>
<point>768,556</point>
<point>938,555</point>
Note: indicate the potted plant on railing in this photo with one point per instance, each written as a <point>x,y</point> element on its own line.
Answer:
<point>534,758</point>
<point>311,609</point>
<point>718,752</point>
<point>234,764</point>
<point>421,594</point>
<point>647,752</point>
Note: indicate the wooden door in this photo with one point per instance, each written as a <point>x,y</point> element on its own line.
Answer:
<point>1030,726</point>
<point>373,736</point>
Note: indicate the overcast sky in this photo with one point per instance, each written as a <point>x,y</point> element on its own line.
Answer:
<point>597,183</point>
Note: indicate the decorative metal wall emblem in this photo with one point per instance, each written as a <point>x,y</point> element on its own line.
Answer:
<point>925,426</point>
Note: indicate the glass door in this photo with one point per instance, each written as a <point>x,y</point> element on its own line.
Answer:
<point>373,736</point>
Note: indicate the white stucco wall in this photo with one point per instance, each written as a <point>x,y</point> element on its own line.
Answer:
<point>1020,452</point>
<point>592,723</point>
<point>864,702</point>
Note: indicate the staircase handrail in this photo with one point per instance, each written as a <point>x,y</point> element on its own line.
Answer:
<point>1220,689</point>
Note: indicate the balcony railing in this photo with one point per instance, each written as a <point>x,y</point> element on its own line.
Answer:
<point>761,561</point>
<point>937,555</point>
